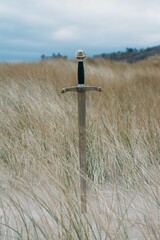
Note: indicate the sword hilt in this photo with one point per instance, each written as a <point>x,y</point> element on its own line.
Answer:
<point>80,55</point>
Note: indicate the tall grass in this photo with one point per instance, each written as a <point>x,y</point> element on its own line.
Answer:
<point>39,194</point>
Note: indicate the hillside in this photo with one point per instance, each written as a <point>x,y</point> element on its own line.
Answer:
<point>131,54</point>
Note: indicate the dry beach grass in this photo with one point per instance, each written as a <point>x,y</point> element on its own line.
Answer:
<point>39,185</point>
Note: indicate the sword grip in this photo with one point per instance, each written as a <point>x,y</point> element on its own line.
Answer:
<point>80,72</point>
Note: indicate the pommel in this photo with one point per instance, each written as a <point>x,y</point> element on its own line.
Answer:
<point>63,90</point>
<point>80,55</point>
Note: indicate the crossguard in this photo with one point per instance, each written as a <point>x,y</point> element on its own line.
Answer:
<point>81,89</point>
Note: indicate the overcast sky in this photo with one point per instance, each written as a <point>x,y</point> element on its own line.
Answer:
<point>30,28</point>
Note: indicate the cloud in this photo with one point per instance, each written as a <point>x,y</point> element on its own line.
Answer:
<point>65,34</point>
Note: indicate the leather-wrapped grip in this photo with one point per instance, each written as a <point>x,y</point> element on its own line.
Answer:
<point>80,72</point>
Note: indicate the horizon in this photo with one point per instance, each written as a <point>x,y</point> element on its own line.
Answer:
<point>69,57</point>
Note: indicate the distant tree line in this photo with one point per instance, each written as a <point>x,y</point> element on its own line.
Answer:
<point>130,54</point>
<point>53,56</point>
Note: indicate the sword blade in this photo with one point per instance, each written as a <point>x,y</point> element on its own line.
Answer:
<point>82,147</point>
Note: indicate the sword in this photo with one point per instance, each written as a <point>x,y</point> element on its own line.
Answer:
<point>81,90</point>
